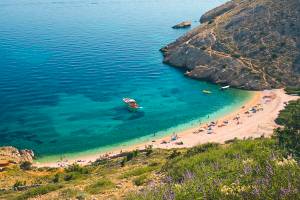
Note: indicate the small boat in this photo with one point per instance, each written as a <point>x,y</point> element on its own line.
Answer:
<point>206,91</point>
<point>225,87</point>
<point>131,104</point>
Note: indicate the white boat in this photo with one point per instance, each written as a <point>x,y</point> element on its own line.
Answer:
<point>131,104</point>
<point>225,87</point>
<point>128,100</point>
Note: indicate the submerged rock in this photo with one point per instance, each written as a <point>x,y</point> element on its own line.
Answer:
<point>184,24</point>
<point>246,44</point>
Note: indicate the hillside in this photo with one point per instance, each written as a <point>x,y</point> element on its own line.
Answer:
<point>252,44</point>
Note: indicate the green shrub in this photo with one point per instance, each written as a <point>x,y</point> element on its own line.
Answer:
<point>26,165</point>
<point>236,55</point>
<point>56,178</point>
<point>288,137</point>
<point>274,56</point>
<point>149,150</point>
<point>140,180</point>
<point>293,90</point>
<point>211,21</point>
<point>33,192</point>
<point>69,193</point>
<point>131,155</point>
<point>99,186</point>
<point>201,148</point>
<point>123,162</point>
<point>18,184</point>
<point>69,177</point>
<point>290,116</point>
<point>138,171</point>
<point>77,168</point>
<point>174,154</point>
<point>203,48</point>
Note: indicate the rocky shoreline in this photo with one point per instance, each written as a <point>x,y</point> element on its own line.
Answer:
<point>11,156</point>
<point>252,45</point>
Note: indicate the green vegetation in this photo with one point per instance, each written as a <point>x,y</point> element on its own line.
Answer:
<point>138,171</point>
<point>249,169</point>
<point>140,180</point>
<point>25,165</point>
<point>236,55</point>
<point>99,186</point>
<point>69,193</point>
<point>19,184</point>
<point>292,90</point>
<point>38,191</point>
<point>288,137</point>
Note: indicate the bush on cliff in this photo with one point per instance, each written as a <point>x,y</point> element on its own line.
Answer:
<point>288,136</point>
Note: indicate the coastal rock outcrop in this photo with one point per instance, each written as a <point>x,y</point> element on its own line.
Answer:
<point>184,24</point>
<point>251,44</point>
<point>212,14</point>
<point>11,155</point>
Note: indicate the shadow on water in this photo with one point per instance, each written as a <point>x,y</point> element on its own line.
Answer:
<point>136,115</point>
<point>122,113</point>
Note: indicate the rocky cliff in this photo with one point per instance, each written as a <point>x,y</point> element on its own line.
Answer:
<point>249,44</point>
<point>11,155</point>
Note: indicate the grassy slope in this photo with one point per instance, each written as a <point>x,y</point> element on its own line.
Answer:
<point>249,169</point>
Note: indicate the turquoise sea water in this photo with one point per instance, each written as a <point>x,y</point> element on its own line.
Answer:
<point>65,66</point>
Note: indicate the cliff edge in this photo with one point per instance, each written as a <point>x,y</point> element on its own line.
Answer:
<point>251,44</point>
<point>11,155</point>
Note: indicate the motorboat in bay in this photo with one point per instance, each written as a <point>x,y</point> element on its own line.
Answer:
<point>206,91</point>
<point>225,87</point>
<point>131,104</point>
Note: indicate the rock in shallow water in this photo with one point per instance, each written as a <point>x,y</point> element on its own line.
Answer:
<point>184,24</point>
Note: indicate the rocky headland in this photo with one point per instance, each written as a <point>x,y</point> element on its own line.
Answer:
<point>10,155</point>
<point>251,44</point>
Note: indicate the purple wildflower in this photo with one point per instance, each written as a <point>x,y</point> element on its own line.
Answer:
<point>188,175</point>
<point>169,195</point>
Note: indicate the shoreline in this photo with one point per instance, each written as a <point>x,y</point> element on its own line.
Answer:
<point>267,105</point>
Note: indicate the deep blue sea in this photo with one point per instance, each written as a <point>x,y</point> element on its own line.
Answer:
<point>66,64</point>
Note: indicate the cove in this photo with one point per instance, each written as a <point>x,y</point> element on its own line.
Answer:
<point>66,65</point>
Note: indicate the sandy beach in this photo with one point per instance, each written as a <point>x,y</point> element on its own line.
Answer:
<point>254,119</point>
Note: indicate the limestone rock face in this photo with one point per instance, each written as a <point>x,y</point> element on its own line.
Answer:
<point>252,44</point>
<point>11,155</point>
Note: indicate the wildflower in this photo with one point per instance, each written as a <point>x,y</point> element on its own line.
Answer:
<point>177,186</point>
<point>169,195</point>
<point>226,190</point>
<point>248,161</point>
<point>169,179</point>
<point>247,170</point>
<point>234,189</point>
<point>286,161</point>
<point>188,175</point>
